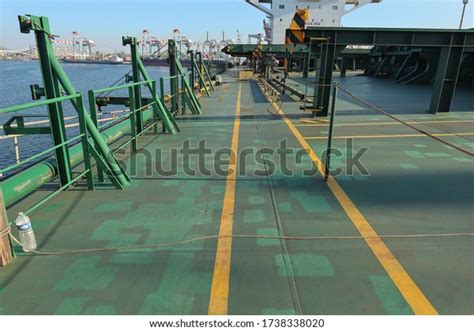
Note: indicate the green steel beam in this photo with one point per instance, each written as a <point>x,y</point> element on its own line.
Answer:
<point>452,44</point>
<point>447,74</point>
<point>202,81</point>
<point>40,26</point>
<point>159,107</point>
<point>198,69</point>
<point>174,87</point>
<point>53,77</point>
<point>279,50</point>
<point>116,172</point>
<point>193,74</point>
<point>167,119</point>
<point>133,42</point>
<point>389,36</point>
<point>188,93</point>
<point>208,76</point>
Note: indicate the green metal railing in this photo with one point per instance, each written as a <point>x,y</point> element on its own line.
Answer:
<point>95,138</point>
<point>135,115</point>
<point>83,137</point>
<point>177,89</point>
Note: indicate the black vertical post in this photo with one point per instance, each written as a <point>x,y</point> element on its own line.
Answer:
<point>193,74</point>
<point>325,79</point>
<point>137,89</point>
<point>199,55</point>
<point>343,66</point>
<point>174,81</point>
<point>327,167</point>
<point>447,74</point>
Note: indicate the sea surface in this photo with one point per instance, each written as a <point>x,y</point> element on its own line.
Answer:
<point>17,76</point>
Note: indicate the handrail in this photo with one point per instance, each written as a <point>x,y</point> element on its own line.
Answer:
<point>127,115</point>
<point>82,136</point>
<point>40,203</point>
<point>115,88</point>
<point>172,77</point>
<point>39,103</point>
<point>67,126</point>
<point>36,104</point>
<point>45,152</point>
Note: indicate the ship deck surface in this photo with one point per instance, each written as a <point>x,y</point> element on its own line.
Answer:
<point>417,186</point>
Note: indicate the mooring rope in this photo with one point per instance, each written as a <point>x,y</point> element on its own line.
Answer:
<point>235,236</point>
<point>5,232</point>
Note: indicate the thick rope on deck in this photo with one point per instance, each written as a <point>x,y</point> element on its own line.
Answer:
<point>235,236</point>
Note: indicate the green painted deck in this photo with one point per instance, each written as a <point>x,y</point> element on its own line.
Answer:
<point>416,186</point>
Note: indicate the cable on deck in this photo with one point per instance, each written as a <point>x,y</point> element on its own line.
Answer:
<point>235,236</point>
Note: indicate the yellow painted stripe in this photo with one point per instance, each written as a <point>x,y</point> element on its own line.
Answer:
<point>394,136</point>
<point>407,286</point>
<point>218,303</point>
<point>313,123</point>
<point>321,123</point>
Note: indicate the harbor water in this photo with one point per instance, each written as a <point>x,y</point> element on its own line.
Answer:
<point>17,76</point>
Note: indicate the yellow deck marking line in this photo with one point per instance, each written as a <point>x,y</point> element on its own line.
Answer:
<point>414,135</point>
<point>218,303</point>
<point>407,286</point>
<point>311,123</point>
<point>314,122</point>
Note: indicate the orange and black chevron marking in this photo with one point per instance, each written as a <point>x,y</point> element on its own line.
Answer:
<point>295,34</point>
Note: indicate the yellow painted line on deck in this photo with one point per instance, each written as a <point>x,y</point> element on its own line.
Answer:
<point>407,286</point>
<point>414,135</point>
<point>218,303</point>
<point>313,122</point>
<point>323,124</point>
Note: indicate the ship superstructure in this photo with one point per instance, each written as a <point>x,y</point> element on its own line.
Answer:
<point>322,13</point>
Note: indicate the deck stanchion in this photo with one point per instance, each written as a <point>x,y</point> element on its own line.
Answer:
<point>166,117</point>
<point>85,143</point>
<point>162,97</point>
<point>93,114</point>
<point>174,81</point>
<point>183,95</point>
<point>133,124</point>
<point>155,108</point>
<point>191,78</point>
<point>40,26</point>
<point>202,82</point>
<point>17,149</point>
<point>192,75</point>
<point>206,71</point>
<point>327,168</point>
<point>198,67</point>
<point>137,97</point>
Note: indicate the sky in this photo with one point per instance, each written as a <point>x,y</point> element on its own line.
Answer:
<point>105,21</point>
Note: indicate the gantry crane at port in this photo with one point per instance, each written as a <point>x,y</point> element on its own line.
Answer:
<point>76,46</point>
